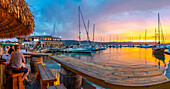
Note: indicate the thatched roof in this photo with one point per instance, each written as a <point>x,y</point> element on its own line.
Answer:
<point>16,19</point>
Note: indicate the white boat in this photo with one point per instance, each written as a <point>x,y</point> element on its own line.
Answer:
<point>68,50</point>
<point>92,48</point>
<point>102,48</point>
<point>80,50</point>
<point>145,46</point>
<point>167,46</point>
<point>131,46</point>
<point>117,46</point>
<point>167,51</point>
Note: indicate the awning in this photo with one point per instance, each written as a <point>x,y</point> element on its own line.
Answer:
<point>7,44</point>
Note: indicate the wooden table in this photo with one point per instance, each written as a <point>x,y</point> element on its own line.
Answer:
<point>116,77</point>
<point>36,58</point>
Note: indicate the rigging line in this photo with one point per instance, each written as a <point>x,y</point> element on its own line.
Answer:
<point>85,26</point>
<point>162,33</point>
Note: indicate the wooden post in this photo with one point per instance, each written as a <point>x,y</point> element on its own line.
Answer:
<point>27,51</point>
<point>14,83</point>
<point>1,78</point>
<point>70,79</point>
<point>2,74</point>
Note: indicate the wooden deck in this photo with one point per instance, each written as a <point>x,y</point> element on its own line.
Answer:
<point>116,77</point>
<point>35,84</point>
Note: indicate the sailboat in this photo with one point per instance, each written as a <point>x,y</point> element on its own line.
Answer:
<point>146,45</point>
<point>93,47</point>
<point>140,45</point>
<point>79,49</point>
<point>159,47</point>
<point>131,41</point>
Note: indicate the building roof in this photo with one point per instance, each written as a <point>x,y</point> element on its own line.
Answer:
<point>39,36</point>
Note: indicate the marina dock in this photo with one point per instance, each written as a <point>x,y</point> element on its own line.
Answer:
<point>115,77</point>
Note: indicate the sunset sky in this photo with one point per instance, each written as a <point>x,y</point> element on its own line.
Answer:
<point>125,18</point>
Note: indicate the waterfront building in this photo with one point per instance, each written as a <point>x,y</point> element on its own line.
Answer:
<point>46,40</point>
<point>38,38</point>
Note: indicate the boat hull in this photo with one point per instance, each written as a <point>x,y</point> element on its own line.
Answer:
<point>158,49</point>
<point>80,50</point>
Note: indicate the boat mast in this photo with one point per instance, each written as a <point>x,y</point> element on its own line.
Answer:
<point>139,38</point>
<point>110,39</point>
<point>163,39</point>
<point>53,33</point>
<point>85,26</point>
<point>117,37</point>
<point>88,30</point>
<point>79,26</point>
<point>145,36</point>
<point>155,36</point>
<point>101,39</point>
<point>93,31</point>
<point>159,29</point>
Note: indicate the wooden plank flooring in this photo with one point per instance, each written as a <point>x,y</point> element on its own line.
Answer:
<point>35,84</point>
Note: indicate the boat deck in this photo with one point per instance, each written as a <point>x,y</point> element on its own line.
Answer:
<point>115,77</point>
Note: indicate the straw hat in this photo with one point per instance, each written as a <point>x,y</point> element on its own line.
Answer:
<point>16,19</point>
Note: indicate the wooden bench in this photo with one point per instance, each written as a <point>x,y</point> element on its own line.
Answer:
<point>14,80</point>
<point>46,76</point>
<point>61,86</point>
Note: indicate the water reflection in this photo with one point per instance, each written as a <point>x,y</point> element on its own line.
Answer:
<point>124,57</point>
<point>86,56</point>
<point>160,57</point>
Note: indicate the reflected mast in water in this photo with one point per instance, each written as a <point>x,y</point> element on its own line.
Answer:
<point>160,57</point>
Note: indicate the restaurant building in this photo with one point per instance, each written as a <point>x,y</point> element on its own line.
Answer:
<point>45,40</point>
<point>38,38</point>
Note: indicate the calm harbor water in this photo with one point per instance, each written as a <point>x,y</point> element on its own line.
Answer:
<point>125,57</point>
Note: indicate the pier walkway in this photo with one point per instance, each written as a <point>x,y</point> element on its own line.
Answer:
<point>115,77</point>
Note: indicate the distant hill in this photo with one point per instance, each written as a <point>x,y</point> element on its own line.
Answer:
<point>71,42</point>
